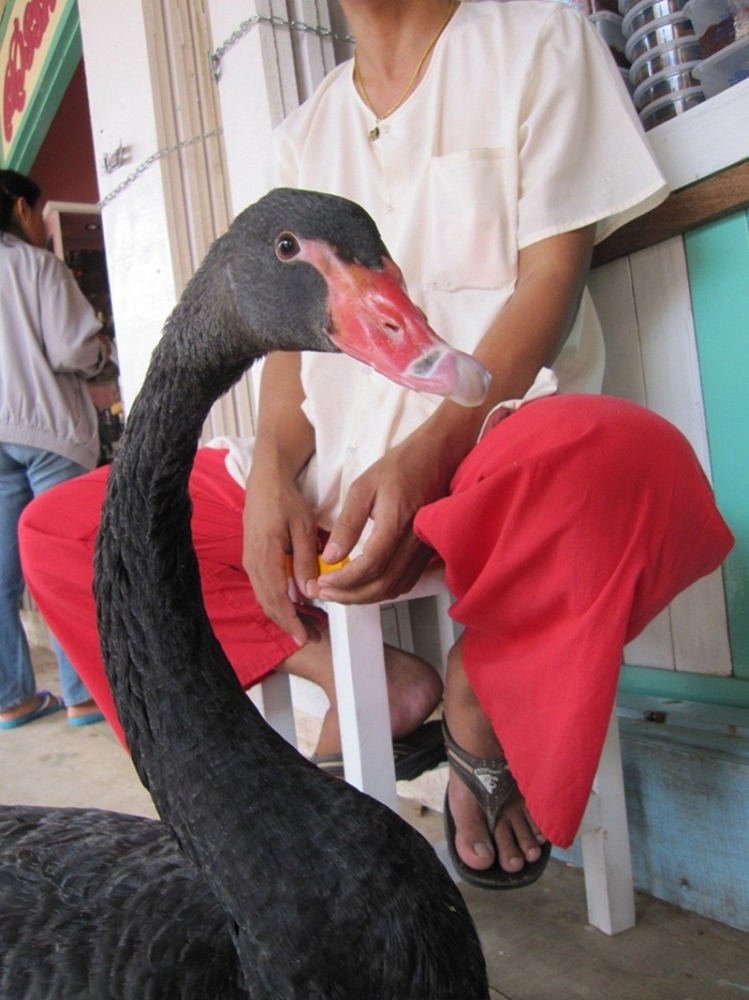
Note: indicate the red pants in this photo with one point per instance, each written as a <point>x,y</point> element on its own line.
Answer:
<point>568,528</point>
<point>57,553</point>
<point>585,516</point>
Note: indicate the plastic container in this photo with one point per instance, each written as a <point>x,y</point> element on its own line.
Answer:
<point>664,84</point>
<point>725,68</point>
<point>646,11</point>
<point>625,6</point>
<point>664,30</point>
<point>669,107</point>
<point>718,23</point>
<point>662,57</point>
<point>589,7</point>
<point>609,27</point>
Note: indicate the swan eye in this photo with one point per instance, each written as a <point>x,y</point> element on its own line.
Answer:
<point>287,246</point>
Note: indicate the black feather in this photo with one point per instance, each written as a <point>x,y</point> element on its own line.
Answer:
<point>323,892</point>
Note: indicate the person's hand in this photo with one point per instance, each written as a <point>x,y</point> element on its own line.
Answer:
<point>105,346</point>
<point>278,521</point>
<point>389,493</point>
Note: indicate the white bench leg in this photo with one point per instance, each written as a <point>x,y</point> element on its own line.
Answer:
<point>273,700</point>
<point>363,710</point>
<point>604,833</point>
<point>364,716</point>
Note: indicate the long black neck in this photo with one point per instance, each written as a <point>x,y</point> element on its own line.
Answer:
<point>193,733</point>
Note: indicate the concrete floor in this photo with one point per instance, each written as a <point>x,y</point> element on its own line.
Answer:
<point>537,942</point>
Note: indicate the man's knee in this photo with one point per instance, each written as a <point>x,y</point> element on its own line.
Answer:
<point>68,511</point>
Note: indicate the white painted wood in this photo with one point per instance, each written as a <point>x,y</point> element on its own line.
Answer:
<point>148,93</point>
<point>704,140</point>
<point>315,55</point>
<point>674,390</point>
<point>654,646</point>
<point>645,309</point>
<point>604,834</point>
<point>262,78</point>
<point>611,289</point>
<point>613,295</point>
<point>273,699</point>
<point>700,628</point>
<point>361,691</point>
<point>136,235</point>
<point>249,107</point>
<point>186,105</point>
<point>667,341</point>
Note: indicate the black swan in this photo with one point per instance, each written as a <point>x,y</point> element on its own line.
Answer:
<point>266,878</point>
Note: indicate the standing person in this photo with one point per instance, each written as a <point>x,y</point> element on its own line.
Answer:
<point>494,144</point>
<point>49,343</point>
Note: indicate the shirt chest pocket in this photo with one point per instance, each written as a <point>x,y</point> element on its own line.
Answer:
<point>471,223</point>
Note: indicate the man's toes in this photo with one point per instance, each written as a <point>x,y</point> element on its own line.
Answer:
<point>475,852</point>
<point>509,854</point>
<point>472,840</point>
<point>517,844</point>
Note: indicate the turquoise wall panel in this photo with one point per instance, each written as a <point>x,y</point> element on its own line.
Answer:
<point>718,263</point>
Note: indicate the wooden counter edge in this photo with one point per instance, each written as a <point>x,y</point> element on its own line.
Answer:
<point>705,201</point>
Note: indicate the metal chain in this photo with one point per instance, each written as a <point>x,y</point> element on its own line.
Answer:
<point>277,22</point>
<point>152,159</point>
<point>215,58</point>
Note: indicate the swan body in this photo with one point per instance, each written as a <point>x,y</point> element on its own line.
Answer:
<point>323,893</point>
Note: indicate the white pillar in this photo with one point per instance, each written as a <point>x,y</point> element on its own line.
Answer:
<point>139,257</point>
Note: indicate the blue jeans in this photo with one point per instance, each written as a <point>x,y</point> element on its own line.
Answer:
<point>25,473</point>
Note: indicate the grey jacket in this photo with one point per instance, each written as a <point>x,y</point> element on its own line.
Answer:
<point>48,347</point>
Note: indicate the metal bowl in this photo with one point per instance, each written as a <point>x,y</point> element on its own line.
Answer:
<point>669,107</point>
<point>665,29</point>
<point>663,57</point>
<point>665,84</point>
<point>647,11</point>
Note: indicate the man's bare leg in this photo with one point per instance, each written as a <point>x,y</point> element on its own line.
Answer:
<point>414,689</point>
<point>516,837</point>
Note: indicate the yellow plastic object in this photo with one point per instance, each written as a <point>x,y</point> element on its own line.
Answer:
<point>323,566</point>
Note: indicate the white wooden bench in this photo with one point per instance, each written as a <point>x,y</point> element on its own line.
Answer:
<point>359,666</point>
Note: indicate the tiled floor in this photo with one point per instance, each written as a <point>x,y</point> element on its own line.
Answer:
<point>537,942</point>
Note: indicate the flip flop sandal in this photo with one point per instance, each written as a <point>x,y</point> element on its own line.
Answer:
<point>85,720</point>
<point>420,751</point>
<point>491,782</point>
<point>49,705</point>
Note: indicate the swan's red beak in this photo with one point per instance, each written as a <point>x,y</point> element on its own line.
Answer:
<point>374,320</point>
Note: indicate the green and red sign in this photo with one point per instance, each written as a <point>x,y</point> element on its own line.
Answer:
<point>39,49</point>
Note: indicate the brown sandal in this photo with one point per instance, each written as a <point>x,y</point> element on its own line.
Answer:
<point>491,782</point>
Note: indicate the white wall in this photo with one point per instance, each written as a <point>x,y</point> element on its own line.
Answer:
<point>134,223</point>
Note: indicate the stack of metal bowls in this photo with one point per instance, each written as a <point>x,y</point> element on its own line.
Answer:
<point>663,50</point>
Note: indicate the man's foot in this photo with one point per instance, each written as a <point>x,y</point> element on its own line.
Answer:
<point>413,755</point>
<point>481,794</point>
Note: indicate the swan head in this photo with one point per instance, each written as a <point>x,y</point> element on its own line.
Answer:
<point>309,271</point>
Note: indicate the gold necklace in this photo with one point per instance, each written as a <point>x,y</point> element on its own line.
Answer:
<point>374,132</point>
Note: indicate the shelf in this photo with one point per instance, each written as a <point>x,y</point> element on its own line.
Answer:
<point>704,155</point>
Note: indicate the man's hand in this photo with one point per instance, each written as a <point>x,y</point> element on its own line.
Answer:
<point>278,521</point>
<point>389,493</point>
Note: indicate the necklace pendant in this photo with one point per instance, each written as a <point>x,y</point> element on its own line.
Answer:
<point>374,133</point>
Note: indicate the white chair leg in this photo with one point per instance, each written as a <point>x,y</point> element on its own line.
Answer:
<point>361,688</point>
<point>273,700</point>
<point>363,710</point>
<point>604,833</point>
